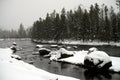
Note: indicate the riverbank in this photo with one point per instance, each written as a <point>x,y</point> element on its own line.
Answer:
<point>78,59</point>
<point>13,69</point>
<point>78,42</point>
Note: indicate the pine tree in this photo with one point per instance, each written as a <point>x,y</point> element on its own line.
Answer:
<point>85,28</point>
<point>57,31</point>
<point>63,30</point>
<point>96,15</point>
<point>92,23</point>
<point>107,26</point>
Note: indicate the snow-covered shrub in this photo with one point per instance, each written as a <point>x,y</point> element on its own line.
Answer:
<point>97,60</point>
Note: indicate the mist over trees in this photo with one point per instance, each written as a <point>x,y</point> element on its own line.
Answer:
<point>97,23</point>
<point>20,33</point>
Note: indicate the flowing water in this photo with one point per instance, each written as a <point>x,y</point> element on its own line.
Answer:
<point>28,49</point>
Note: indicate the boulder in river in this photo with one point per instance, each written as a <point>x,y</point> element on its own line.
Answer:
<point>97,60</point>
<point>44,51</point>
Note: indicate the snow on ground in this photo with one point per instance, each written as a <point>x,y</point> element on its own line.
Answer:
<point>96,43</point>
<point>13,69</point>
<point>115,64</point>
<point>78,58</point>
<point>80,42</point>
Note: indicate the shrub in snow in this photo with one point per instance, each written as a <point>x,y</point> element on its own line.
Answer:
<point>98,60</point>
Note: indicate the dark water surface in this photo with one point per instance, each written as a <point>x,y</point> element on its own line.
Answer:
<point>62,68</point>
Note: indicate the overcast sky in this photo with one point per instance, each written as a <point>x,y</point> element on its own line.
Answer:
<point>14,12</point>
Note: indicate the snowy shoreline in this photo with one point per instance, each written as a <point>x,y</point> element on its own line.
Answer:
<point>79,42</point>
<point>13,69</point>
<point>78,59</point>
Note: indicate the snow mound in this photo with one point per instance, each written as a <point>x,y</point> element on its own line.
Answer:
<point>13,69</point>
<point>44,51</point>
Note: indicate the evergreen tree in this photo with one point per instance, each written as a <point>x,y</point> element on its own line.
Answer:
<point>57,31</point>
<point>70,24</point>
<point>107,26</point>
<point>63,29</point>
<point>96,15</point>
<point>92,23</point>
<point>85,28</point>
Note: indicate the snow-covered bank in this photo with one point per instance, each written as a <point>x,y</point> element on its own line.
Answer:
<point>79,42</point>
<point>13,69</point>
<point>79,56</point>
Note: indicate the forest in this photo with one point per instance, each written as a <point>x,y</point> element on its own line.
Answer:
<point>97,23</point>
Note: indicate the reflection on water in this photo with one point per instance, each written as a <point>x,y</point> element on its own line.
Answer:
<point>63,68</point>
<point>92,75</point>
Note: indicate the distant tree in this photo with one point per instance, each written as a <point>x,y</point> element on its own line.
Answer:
<point>47,27</point>
<point>85,28</point>
<point>96,15</point>
<point>57,27</point>
<point>63,30</point>
<point>107,26</point>
<point>70,24</point>
<point>21,31</point>
<point>92,23</point>
<point>78,20</point>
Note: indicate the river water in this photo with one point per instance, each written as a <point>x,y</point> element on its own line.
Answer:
<point>28,49</point>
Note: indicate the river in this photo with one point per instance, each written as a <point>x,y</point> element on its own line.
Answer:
<point>28,48</point>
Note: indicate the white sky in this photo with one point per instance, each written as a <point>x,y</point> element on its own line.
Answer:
<point>14,12</point>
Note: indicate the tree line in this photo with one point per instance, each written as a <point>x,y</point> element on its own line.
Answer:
<point>97,23</point>
<point>20,33</point>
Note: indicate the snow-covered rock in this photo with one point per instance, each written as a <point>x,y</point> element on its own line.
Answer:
<point>13,69</point>
<point>64,51</point>
<point>61,53</point>
<point>39,46</point>
<point>97,59</point>
<point>55,55</point>
<point>44,51</point>
<point>92,49</point>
